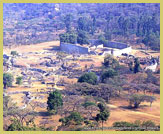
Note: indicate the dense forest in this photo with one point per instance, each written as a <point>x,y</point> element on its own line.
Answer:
<point>33,23</point>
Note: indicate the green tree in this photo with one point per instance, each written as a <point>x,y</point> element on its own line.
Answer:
<point>7,80</point>
<point>72,38</point>
<point>126,25</point>
<point>68,38</point>
<point>121,25</point>
<point>125,126</point>
<point>88,103</point>
<point>136,66</point>
<point>82,38</point>
<point>84,24</point>
<point>121,22</point>
<point>136,99</point>
<point>101,39</point>
<point>90,78</point>
<point>88,106</point>
<point>73,119</point>
<point>103,115</point>
<point>151,78</point>
<point>93,25</point>
<point>111,62</point>
<point>109,73</point>
<point>64,38</point>
<point>108,18</point>
<point>152,40</point>
<point>68,20</point>
<point>136,126</point>
<point>54,101</point>
<point>9,108</point>
<point>133,23</point>
<point>19,80</point>
<point>101,107</point>
<point>117,82</point>
<point>130,65</point>
<point>148,123</point>
<point>15,126</point>
<point>14,53</point>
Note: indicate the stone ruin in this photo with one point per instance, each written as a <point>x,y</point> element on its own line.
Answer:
<point>114,48</point>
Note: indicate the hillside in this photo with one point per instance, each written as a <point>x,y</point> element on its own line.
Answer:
<point>80,67</point>
<point>35,23</point>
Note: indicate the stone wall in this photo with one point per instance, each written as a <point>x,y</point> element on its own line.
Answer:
<point>121,51</point>
<point>116,45</point>
<point>152,67</point>
<point>120,48</point>
<point>73,48</point>
<point>107,53</point>
<point>77,49</point>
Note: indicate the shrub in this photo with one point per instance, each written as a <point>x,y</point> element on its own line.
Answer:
<point>68,38</point>
<point>14,53</point>
<point>135,126</point>
<point>90,78</point>
<point>7,80</point>
<point>148,123</point>
<point>74,118</point>
<point>19,80</point>
<point>109,73</point>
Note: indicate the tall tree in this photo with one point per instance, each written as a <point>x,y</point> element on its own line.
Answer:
<point>68,20</point>
<point>54,101</point>
<point>110,62</point>
<point>137,65</point>
<point>83,24</point>
<point>82,38</point>
<point>103,115</point>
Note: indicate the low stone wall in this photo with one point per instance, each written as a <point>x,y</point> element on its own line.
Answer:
<point>73,48</point>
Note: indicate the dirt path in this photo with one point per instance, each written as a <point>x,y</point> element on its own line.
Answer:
<point>129,111</point>
<point>142,113</point>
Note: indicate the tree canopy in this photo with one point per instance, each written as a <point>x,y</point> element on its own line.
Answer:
<point>103,115</point>
<point>90,78</point>
<point>54,101</point>
<point>7,80</point>
<point>74,118</point>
